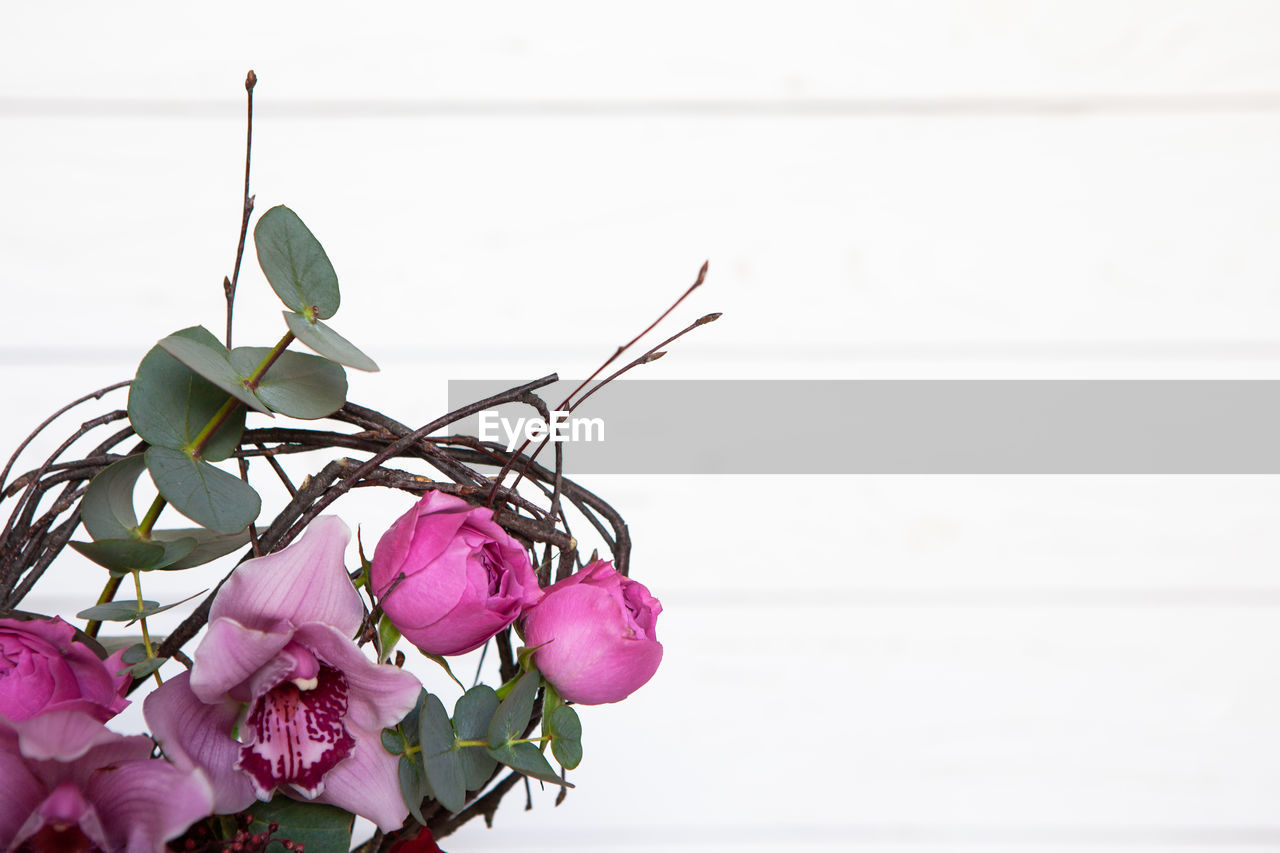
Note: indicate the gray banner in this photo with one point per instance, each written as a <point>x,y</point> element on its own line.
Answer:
<point>905,427</point>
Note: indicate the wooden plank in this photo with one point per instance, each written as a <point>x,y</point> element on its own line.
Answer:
<point>824,234</point>
<point>678,51</point>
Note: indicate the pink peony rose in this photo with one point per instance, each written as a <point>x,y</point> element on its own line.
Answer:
<point>594,635</point>
<point>465,578</point>
<point>43,669</point>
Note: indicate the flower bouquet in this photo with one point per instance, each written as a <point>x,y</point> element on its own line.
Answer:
<point>281,708</point>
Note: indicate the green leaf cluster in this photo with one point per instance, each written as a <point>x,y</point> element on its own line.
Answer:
<point>188,401</point>
<point>445,759</point>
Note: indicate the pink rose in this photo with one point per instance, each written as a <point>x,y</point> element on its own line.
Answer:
<point>464,578</point>
<point>594,635</point>
<point>43,669</point>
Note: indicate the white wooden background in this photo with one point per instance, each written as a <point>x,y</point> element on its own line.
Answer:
<point>914,189</point>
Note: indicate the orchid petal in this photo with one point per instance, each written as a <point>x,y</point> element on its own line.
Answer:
<point>377,696</point>
<point>62,735</point>
<point>145,803</point>
<point>193,733</point>
<point>305,582</point>
<point>229,654</point>
<point>20,793</point>
<point>366,783</point>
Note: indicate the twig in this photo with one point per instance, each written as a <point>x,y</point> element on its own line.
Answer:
<point>229,285</point>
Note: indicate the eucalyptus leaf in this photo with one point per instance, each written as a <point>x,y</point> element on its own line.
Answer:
<point>209,545</point>
<point>441,757</point>
<point>136,653</point>
<point>117,611</point>
<point>299,385</point>
<point>127,555</point>
<point>413,785</point>
<point>169,404</point>
<point>203,493</point>
<point>512,716</point>
<point>107,506</point>
<point>295,264</point>
<point>392,741</point>
<point>199,350</point>
<point>128,611</point>
<point>566,740</point>
<point>319,827</point>
<point>146,667</point>
<point>471,716</point>
<point>328,343</point>
<point>528,759</point>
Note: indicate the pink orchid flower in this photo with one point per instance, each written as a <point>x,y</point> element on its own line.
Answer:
<point>68,783</point>
<point>278,659</point>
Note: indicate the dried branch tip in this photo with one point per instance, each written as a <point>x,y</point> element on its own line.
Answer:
<point>702,274</point>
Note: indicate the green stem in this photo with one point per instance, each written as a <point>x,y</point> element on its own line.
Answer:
<point>149,520</point>
<point>278,350</point>
<point>108,593</point>
<point>142,620</point>
<point>202,438</point>
<point>485,743</point>
<point>197,448</point>
<point>201,441</point>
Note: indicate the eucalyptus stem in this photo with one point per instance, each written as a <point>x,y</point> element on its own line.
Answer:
<point>149,520</point>
<point>202,438</point>
<point>255,378</point>
<point>108,593</point>
<point>142,621</point>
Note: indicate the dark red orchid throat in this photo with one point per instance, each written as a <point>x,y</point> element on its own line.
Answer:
<point>54,838</point>
<point>296,734</point>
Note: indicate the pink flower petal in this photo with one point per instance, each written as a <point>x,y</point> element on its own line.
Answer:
<point>367,784</point>
<point>378,696</point>
<point>145,803</point>
<point>62,735</point>
<point>305,582</point>
<point>195,734</point>
<point>230,654</point>
<point>20,793</point>
<point>297,736</point>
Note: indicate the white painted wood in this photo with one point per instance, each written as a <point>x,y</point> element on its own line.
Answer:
<point>934,189</point>
<point>669,50</point>
<point>822,233</point>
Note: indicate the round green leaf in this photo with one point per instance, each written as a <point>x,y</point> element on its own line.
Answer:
<point>440,754</point>
<point>528,759</point>
<point>319,827</point>
<point>328,343</point>
<point>169,404</point>
<point>513,715</point>
<point>117,611</point>
<point>199,350</point>
<point>295,264</point>
<point>471,716</point>
<point>201,492</point>
<point>297,385</point>
<point>566,741</point>
<point>209,545</point>
<point>107,506</point>
<point>413,785</point>
<point>127,555</point>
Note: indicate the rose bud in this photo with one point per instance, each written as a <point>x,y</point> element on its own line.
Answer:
<point>43,669</point>
<point>464,578</point>
<point>593,635</point>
